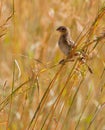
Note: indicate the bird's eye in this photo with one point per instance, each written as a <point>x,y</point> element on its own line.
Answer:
<point>63,29</point>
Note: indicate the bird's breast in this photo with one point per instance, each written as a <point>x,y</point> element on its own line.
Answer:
<point>64,47</point>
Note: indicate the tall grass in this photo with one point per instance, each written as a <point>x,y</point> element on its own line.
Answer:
<point>37,92</point>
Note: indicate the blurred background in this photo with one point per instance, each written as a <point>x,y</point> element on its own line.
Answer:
<point>28,50</point>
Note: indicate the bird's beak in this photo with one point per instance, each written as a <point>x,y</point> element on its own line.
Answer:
<point>57,29</point>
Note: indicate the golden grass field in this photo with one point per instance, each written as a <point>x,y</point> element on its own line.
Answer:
<point>38,93</point>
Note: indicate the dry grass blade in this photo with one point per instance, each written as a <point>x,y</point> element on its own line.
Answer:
<point>2,35</point>
<point>35,116</point>
<point>91,31</point>
<point>97,111</point>
<point>102,73</point>
<point>6,21</point>
<point>88,97</point>
<point>97,40</point>
<point>11,98</point>
<point>9,17</point>
<point>7,99</point>
<point>19,70</point>
<point>36,60</point>
<point>53,108</point>
<point>37,82</point>
<point>68,112</point>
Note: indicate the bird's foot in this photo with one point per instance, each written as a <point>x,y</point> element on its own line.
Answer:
<point>62,61</point>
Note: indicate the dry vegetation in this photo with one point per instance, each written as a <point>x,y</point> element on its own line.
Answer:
<point>36,91</point>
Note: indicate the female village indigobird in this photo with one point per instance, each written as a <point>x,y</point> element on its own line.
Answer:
<point>65,41</point>
<point>66,44</point>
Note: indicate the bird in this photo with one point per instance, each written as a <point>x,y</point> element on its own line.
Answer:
<point>65,42</point>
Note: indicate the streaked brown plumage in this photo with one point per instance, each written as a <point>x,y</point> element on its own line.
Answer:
<point>65,42</point>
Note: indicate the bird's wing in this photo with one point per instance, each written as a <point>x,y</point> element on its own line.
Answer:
<point>70,42</point>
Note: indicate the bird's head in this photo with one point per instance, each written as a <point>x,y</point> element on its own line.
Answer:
<point>63,30</point>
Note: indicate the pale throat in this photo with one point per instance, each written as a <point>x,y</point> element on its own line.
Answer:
<point>65,35</point>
